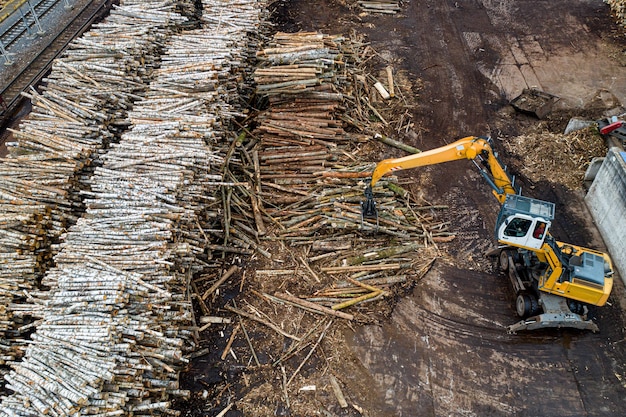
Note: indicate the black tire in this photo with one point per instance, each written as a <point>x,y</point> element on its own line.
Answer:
<point>575,307</point>
<point>526,305</point>
<point>504,261</point>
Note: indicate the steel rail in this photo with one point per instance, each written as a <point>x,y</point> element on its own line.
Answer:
<point>42,8</point>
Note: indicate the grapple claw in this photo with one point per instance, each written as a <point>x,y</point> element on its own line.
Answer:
<point>368,207</point>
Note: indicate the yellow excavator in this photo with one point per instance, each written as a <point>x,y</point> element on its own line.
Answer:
<point>554,282</point>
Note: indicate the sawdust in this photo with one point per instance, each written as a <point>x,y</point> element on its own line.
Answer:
<point>557,158</point>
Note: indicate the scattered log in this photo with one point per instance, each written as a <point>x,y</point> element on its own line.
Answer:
<point>337,391</point>
<point>396,144</point>
<point>229,344</point>
<point>264,322</point>
<point>313,306</point>
<point>220,281</point>
<point>357,300</point>
<point>385,7</point>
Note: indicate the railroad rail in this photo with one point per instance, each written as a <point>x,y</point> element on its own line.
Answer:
<point>41,62</point>
<point>21,28</point>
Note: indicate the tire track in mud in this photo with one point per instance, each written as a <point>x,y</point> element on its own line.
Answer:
<point>452,356</point>
<point>441,60</point>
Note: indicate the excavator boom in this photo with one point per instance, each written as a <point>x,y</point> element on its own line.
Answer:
<point>471,148</point>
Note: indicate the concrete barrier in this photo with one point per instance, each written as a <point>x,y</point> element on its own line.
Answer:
<point>606,200</point>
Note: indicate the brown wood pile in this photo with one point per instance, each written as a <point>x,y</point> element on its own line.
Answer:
<point>619,9</point>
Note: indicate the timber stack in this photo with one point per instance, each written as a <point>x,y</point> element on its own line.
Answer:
<point>112,329</point>
<point>87,95</point>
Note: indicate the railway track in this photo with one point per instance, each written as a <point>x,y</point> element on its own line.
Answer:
<point>41,62</point>
<point>18,29</point>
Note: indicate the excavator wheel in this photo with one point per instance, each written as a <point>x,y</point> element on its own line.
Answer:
<point>504,260</point>
<point>526,304</point>
<point>576,307</point>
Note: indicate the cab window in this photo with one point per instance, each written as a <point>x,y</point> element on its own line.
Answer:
<point>540,230</point>
<point>517,228</point>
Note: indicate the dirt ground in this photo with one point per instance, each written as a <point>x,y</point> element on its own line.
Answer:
<point>443,349</point>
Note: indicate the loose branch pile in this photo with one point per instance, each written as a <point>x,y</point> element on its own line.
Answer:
<point>295,204</point>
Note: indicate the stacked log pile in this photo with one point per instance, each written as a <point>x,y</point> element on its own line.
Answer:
<point>84,103</point>
<point>114,326</point>
<point>302,165</point>
<point>619,8</point>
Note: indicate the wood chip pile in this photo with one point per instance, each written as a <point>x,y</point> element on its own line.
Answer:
<point>619,8</point>
<point>84,103</point>
<point>569,155</point>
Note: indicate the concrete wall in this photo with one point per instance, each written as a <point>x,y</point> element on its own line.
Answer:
<point>606,200</point>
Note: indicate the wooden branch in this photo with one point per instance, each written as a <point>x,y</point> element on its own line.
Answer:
<point>230,342</point>
<point>313,306</point>
<point>359,268</point>
<point>319,339</point>
<point>264,322</point>
<point>245,333</point>
<point>337,391</point>
<point>396,144</point>
<point>220,281</point>
<point>392,91</point>
<point>357,300</point>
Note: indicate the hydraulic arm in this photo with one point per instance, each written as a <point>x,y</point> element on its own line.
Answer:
<point>471,147</point>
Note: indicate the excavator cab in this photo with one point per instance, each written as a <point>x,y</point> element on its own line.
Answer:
<point>524,222</point>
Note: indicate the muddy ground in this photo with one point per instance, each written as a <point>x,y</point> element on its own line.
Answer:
<point>443,350</point>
